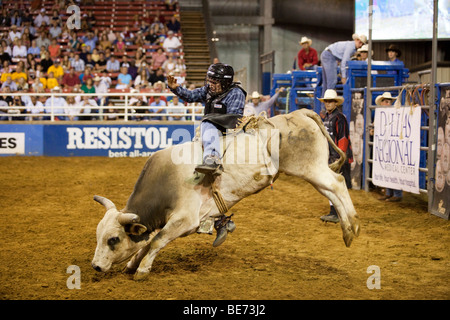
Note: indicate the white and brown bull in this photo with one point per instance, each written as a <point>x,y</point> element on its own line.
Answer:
<point>166,204</point>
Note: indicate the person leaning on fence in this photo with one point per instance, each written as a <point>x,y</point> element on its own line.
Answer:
<point>391,195</point>
<point>337,126</point>
<point>342,52</point>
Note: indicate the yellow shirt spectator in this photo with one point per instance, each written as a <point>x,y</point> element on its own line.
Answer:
<point>5,76</point>
<point>57,70</point>
<point>51,83</point>
<point>16,75</point>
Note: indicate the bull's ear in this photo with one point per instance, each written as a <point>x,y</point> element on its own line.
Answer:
<point>135,229</point>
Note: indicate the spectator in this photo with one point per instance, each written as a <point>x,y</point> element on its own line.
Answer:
<point>105,42</point>
<point>120,45</point>
<point>41,19</point>
<point>54,49</point>
<point>157,24</point>
<point>125,62</point>
<point>9,83</point>
<point>86,75</point>
<point>340,51</point>
<point>90,41</point>
<point>157,104</point>
<point>17,103</point>
<point>88,87</point>
<point>27,37</point>
<point>151,37</point>
<point>42,40</point>
<point>256,106</point>
<point>22,85</point>
<point>138,103</point>
<point>89,108</point>
<point>6,47</point>
<point>171,43</point>
<point>391,195</point>
<point>169,65</point>
<point>55,105</point>
<point>111,111</point>
<point>74,42</point>
<point>84,52</point>
<point>19,50</point>
<point>45,62</point>
<point>141,80</point>
<point>113,65</point>
<point>14,33</point>
<point>159,58</point>
<point>34,49</point>
<point>337,127</point>
<point>139,58</point>
<point>157,76</point>
<point>307,58</point>
<point>173,25</point>
<point>57,69</point>
<point>100,65</point>
<point>52,82</point>
<point>393,53</point>
<point>37,85</point>
<point>71,79</point>
<point>78,64</point>
<point>180,64</point>
<point>124,79</point>
<point>35,107</point>
<point>6,71</point>
<point>127,36</point>
<point>73,109</point>
<point>181,80</point>
<point>55,30</point>
<point>176,107</point>
<point>4,56</point>
<point>65,63</point>
<point>19,73</point>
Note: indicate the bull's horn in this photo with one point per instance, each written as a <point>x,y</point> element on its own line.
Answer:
<point>108,204</point>
<point>126,218</point>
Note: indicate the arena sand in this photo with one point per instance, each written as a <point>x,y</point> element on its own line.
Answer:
<point>280,249</point>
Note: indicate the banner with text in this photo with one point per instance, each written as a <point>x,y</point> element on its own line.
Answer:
<point>396,149</point>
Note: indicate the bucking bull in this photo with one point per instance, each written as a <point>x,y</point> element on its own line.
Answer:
<point>169,200</point>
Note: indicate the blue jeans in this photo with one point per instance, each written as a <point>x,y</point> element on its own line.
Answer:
<point>394,192</point>
<point>210,139</point>
<point>329,71</point>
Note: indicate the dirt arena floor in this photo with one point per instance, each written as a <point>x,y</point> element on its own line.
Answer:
<point>280,249</point>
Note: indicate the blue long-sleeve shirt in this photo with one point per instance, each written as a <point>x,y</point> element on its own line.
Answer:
<point>234,100</point>
<point>343,50</point>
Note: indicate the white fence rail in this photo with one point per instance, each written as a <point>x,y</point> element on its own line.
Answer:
<point>124,110</point>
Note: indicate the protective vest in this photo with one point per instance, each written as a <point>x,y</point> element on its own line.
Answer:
<point>214,104</point>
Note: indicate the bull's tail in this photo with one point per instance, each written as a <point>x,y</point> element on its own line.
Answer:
<point>335,166</point>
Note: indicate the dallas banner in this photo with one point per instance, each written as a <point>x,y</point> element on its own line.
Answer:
<point>396,149</point>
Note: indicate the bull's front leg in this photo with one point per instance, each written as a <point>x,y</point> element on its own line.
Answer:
<point>172,230</point>
<point>133,264</point>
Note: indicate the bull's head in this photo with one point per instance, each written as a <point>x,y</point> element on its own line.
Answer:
<point>119,236</point>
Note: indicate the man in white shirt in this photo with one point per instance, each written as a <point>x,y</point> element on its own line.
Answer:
<point>171,43</point>
<point>40,18</point>
<point>59,104</point>
<point>176,107</point>
<point>88,106</point>
<point>14,33</point>
<point>19,50</point>
<point>77,64</point>
<point>34,106</point>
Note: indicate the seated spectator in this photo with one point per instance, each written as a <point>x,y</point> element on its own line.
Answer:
<point>9,83</point>
<point>88,87</point>
<point>157,103</point>
<point>74,42</point>
<point>35,107</point>
<point>180,65</point>
<point>140,57</point>
<point>151,37</point>
<point>41,18</point>
<point>141,80</point>
<point>17,102</point>
<point>73,109</point>
<point>181,80</point>
<point>113,65</point>
<point>19,73</point>
<point>125,62</point>
<point>19,50</point>
<point>71,79</point>
<point>173,24</point>
<point>393,53</point>
<point>159,58</point>
<point>42,40</point>
<point>14,34</point>
<point>27,37</point>
<point>169,65</point>
<point>37,85</point>
<point>22,85</point>
<point>102,85</point>
<point>89,108</point>
<point>157,76</point>
<point>55,105</point>
<point>54,49</point>
<point>6,71</point>
<point>4,56</point>
<point>34,49</point>
<point>84,52</point>
<point>124,79</point>
<point>139,107</point>
<point>307,57</point>
<point>105,42</point>
<point>89,62</point>
<point>120,45</point>
<point>127,36</point>
<point>157,24</point>
<point>86,75</point>
<point>77,64</point>
<point>52,82</point>
<point>90,20</point>
<point>171,43</point>
<point>57,69</point>
<point>111,111</point>
<point>176,107</point>
<point>55,29</point>
<point>65,63</point>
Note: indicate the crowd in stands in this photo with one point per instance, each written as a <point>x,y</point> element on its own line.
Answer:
<point>39,53</point>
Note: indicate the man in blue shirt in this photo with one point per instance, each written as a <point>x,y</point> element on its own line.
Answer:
<point>339,51</point>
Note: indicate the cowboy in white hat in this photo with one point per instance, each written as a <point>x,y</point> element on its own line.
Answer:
<point>385,99</point>
<point>337,127</point>
<point>364,52</point>
<point>307,57</point>
<point>340,51</point>
<point>255,107</point>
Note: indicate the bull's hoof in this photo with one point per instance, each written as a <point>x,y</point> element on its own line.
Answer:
<point>141,276</point>
<point>127,270</point>
<point>348,238</point>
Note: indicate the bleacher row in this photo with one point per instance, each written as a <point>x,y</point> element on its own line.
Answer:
<point>109,15</point>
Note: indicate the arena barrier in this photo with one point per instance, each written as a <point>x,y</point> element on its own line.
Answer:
<point>99,137</point>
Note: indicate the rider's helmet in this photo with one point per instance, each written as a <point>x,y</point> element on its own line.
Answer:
<point>219,73</point>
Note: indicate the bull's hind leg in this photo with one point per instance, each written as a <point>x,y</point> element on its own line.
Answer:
<point>332,186</point>
<point>177,226</point>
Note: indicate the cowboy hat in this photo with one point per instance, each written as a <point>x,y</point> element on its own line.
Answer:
<point>97,78</point>
<point>361,37</point>
<point>304,40</point>
<point>364,48</point>
<point>394,48</point>
<point>385,95</point>
<point>255,95</point>
<point>331,94</point>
